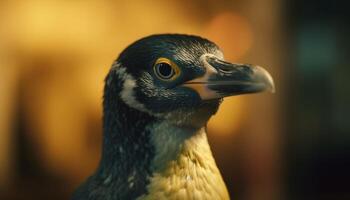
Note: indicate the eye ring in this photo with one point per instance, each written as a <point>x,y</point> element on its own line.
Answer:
<point>166,70</point>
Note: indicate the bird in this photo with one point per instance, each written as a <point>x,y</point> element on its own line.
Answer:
<point>158,97</point>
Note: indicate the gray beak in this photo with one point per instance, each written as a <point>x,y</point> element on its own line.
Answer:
<point>224,79</point>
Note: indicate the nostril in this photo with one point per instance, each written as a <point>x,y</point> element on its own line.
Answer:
<point>225,68</point>
<point>221,66</point>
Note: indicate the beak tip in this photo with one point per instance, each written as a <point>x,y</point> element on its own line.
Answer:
<point>266,78</point>
<point>270,84</point>
<point>272,88</point>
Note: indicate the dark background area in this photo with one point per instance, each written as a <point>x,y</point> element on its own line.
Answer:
<point>317,141</point>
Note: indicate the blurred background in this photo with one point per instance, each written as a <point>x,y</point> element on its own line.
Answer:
<point>294,144</point>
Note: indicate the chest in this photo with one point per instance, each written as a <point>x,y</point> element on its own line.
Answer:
<point>190,174</point>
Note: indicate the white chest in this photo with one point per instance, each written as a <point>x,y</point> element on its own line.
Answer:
<point>190,172</point>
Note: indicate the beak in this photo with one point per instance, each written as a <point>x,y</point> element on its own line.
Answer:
<point>224,79</point>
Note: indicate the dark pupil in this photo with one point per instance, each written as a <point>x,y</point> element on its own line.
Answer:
<point>165,70</point>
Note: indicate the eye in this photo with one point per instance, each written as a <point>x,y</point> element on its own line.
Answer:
<point>165,69</point>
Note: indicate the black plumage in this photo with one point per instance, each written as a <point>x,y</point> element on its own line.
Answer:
<point>136,100</point>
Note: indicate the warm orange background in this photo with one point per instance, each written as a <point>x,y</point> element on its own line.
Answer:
<point>53,59</point>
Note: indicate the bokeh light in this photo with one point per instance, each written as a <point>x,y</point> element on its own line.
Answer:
<point>232,32</point>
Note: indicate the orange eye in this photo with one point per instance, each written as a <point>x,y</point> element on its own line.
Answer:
<point>166,70</point>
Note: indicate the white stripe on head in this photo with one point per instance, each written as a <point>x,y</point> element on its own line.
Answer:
<point>128,94</point>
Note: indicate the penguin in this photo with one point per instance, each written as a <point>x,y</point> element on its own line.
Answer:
<point>158,97</point>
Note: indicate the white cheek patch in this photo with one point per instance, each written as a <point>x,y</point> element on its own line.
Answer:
<point>128,94</point>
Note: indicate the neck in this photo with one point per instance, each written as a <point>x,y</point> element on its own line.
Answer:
<point>125,136</point>
<point>142,155</point>
<point>127,153</point>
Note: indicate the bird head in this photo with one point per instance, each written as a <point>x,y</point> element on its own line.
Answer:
<point>181,78</point>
